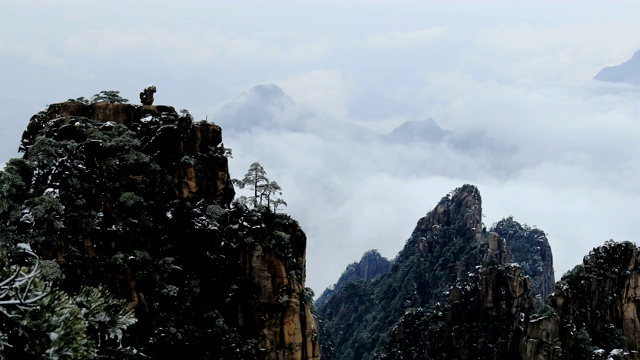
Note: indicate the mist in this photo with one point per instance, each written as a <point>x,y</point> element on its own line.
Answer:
<point>510,86</point>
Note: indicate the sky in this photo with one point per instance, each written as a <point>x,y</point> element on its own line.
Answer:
<point>511,82</point>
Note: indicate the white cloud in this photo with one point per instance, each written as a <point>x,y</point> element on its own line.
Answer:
<point>327,91</point>
<point>31,49</point>
<point>551,148</point>
<point>408,38</point>
<point>534,53</point>
<point>190,45</point>
<point>562,157</point>
<point>577,216</point>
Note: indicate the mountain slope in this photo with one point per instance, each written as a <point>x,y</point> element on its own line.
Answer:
<point>445,246</point>
<point>455,292</point>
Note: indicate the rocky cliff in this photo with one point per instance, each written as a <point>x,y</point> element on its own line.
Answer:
<point>445,247</point>
<point>458,291</point>
<point>593,312</point>
<point>139,199</point>
<point>531,250</point>
<point>483,318</point>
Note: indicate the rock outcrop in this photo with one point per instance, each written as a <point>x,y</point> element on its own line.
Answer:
<point>139,199</point>
<point>531,250</point>
<point>458,291</point>
<point>484,318</point>
<point>593,312</point>
<point>445,247</point>
<point>146,96</point>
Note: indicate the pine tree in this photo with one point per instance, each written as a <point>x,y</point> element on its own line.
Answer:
<point>110,96</point>
<point>269,192</point>
<point>264,191</point>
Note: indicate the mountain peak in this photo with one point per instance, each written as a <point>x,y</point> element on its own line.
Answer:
<point>260,106</point>
<point>267,90</point>
<point>462,208</point>
<point>417,130</point>
<point>370,265</point>
<point>627,72</point>
<point>265,95</point>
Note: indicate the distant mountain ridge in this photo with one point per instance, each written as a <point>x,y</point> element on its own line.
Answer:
<point>627,72</point>
<point>262,106</point>
<point>426,130</point>
<point>370,265</point>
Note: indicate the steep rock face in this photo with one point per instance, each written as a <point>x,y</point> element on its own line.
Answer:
<point>139,199</point>
<point>456,290</point>
<point>280,308</point>
<point>593,311</point>
<point>484,318</point>
<point>163,134</point>
<point>371,265</point>
<point>446,245</point>
<point>530,248</point>
<point>592,314</point>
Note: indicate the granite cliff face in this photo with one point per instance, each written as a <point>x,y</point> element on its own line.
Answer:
<point>593,312</point>
<point>443,250</point>
<point>458,291</point>
<point>163,134</point>
<point>139,199</point>
<point>483,318</point>
<point>531,250</point>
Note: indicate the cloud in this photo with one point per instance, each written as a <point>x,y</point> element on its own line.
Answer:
<point>408,38</point>
<point>576,215</point>
<point>562,157</point>
<point>191,45</point>
<point>31,49</point>
<point>533,53</point>
<point>325,90</point>
<point>527,125</point>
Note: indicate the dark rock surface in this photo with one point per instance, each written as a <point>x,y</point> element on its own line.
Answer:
<point>531,250</point>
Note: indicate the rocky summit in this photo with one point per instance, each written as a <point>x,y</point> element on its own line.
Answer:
<point>458,290</point>
<point>138,199</point>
